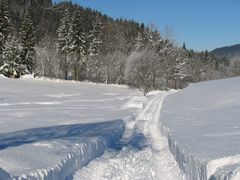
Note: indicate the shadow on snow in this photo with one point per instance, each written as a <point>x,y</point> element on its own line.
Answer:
<point>111,131</point>
<point>137,141</point>
<point>64,132</point>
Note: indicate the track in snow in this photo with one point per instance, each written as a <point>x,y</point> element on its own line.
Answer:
<point>144,153</point>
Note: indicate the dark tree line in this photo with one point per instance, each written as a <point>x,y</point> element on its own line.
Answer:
<point>67,41</point>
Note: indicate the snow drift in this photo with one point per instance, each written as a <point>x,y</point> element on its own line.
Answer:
<point>71,146</point>
<point>202,126</point>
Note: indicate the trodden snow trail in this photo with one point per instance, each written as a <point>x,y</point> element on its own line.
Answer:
<point>145,155</point>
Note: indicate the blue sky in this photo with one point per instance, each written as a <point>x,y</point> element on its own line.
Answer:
<point>201,24</point>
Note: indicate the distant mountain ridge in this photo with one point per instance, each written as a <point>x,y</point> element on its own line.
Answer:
<point>231,52</point>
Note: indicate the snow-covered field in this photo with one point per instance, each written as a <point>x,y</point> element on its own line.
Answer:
<point>202,123</point>
<point>52,130</point>
<point>69,130</point>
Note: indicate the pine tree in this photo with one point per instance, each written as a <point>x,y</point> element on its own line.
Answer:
<point>5,27</point>
<point>78,36</point>
<point>28,42</point>
<point>184,46</point>
<point>12,66</point>
<point>177,68</point>
<point>96,35</point>
<point>95,64</point>
<point>149,38</point>
<point>64,41</point>
<point>63,33</point>
<point>78,45</point>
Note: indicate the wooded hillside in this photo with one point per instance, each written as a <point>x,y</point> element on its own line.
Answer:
<point>68,41</point>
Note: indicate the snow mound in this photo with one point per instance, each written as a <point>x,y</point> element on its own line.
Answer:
<point>2,76</point>
<point>202,126</point>
<point>4,175</point>
<point>27,76</point>
<point>60,150</point>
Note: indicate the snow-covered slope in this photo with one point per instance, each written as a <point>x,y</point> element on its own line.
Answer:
<point>203,128</point>
<point>48,130</point>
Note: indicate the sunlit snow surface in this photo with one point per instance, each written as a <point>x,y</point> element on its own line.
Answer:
<point>27,104</point>
<point>51,129</point>
<point>203,124</point>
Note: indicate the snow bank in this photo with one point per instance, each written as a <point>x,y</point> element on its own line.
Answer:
<point>2,76</point>
<point>192,167</point>
<point>202,126</point>
<point>4,175</point>
<point>71,151</point>
<point>27,76</point>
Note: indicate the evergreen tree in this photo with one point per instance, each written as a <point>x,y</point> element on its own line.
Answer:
<point>148,39</point>
<point>96,36</point>
<point>77,35</point>
<point>176,73</point>
<point>12,66</point>
<point>184,46</point>
<point>157,42</point>
<point>78,45</point>
<point>5,28</point>
<point>64,41</point>
<point>95,64</point>
<point>28,42</point>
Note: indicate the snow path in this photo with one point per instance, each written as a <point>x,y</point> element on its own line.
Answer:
<point>144,155</point>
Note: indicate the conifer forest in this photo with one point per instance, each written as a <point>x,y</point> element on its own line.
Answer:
<point>66,41</point>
